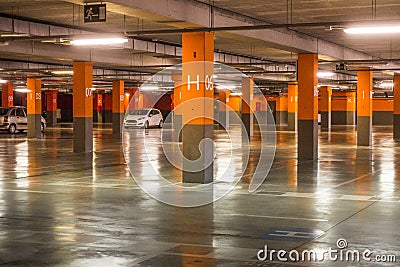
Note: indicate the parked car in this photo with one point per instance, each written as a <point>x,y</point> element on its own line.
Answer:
<point>15,119</point>
<point>145,118</point>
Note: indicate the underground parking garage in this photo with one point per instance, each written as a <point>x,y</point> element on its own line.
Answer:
<point>199,133</point>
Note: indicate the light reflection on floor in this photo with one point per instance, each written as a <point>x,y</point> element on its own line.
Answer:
<point>61,208</point>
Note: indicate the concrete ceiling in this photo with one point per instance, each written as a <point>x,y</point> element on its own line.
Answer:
<point>277,45</point>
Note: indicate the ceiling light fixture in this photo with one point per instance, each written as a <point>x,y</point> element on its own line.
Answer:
<point>373,30</point>
<point>387,84</point>
<point>325,74</point>
<point>62,72</point>
<point>98,41</point>
<point>22,90</point>
<point>3,81</point>
<point>149,88</point>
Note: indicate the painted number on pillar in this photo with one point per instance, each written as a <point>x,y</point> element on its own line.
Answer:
<point>121,97</point>
<point>209,83</point>
<point>88,92</point>
<point>55,101</point>
<point>10,98</point>
<point>38,96</point>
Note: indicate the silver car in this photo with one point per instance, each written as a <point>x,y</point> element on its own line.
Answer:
<point>15,119</point>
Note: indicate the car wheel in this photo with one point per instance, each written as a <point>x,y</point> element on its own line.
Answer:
<point>160,125</point>
<point>146,125</point>
<point>12,129</point>
<point>42,127</point>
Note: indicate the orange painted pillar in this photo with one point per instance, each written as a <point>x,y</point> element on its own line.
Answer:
<point>197,106</point>
<point>326,107</point>
<point>83,106</point>
<point>117,107</point>
<point>223,98</point>
<point>292,106</point>
<point>247,108</point>
<point>34,103</point>
<point>177,112</point>
<point>98,101</point>
<point>7,99</point>
<point>51,104</point>
<point>396,108</point>
<point>307,147</point>
<point>364,107</point>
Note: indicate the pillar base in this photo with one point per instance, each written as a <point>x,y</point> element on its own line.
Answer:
<point>51,118</point>
<point>192,134</point>
<point>248,122</point>
<point>177,127</point>
<point>325,121</point>
<point>292,121</point>
<point>364,131</point>
<point>396,127</point>
<point>117,124</point>
<point>34,126</point>
<point>307,147</point>
<point>83,134</point>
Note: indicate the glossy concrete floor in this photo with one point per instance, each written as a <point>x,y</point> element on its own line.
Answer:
<point>64,209</point>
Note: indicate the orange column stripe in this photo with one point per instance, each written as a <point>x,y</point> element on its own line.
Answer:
<point>326,93</point>
<point>307,82</point>
<point>51,100</point>
<point>82,92</point>
<point>7,95</point>
<point>292,97</point>
<point>197,77</point>
<point>247,95</point>
<point>396,91</point>
<point>34,96</point>
<point>364,90</point>
<point>118,97</point>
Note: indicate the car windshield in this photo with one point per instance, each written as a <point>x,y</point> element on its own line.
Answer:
<point>138,112</point>
<point>3,111</point>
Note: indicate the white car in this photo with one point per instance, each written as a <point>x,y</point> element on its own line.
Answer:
<point>145,118</point>
<point>15,119</point>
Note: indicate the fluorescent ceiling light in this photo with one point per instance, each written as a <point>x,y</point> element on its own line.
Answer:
<point>62,72</point>
<point>373,30</point>
<point>149,88</point>
<point>236,94</point>
<point>3,81</point>
<point>99,41</point>
<point>22,90</point>
<point>325,74</point>
<point>14,34</point>
<point>387,84</point>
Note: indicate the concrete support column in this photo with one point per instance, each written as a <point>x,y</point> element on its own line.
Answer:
<point>34,103</point>
<point>223,97</point>
<point>117,107</point>
<point>292,106</point>
<point>396,108</point>
<point>51,104</point>
<point>364,107</point>
<point>197,118</point>
<point>7,99</point>
<point>98,101</point>
<point>83,106</point>
<point>177,115</point>
<point>247,109</point>
<point>326,107</point>
<point>307,137</point>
